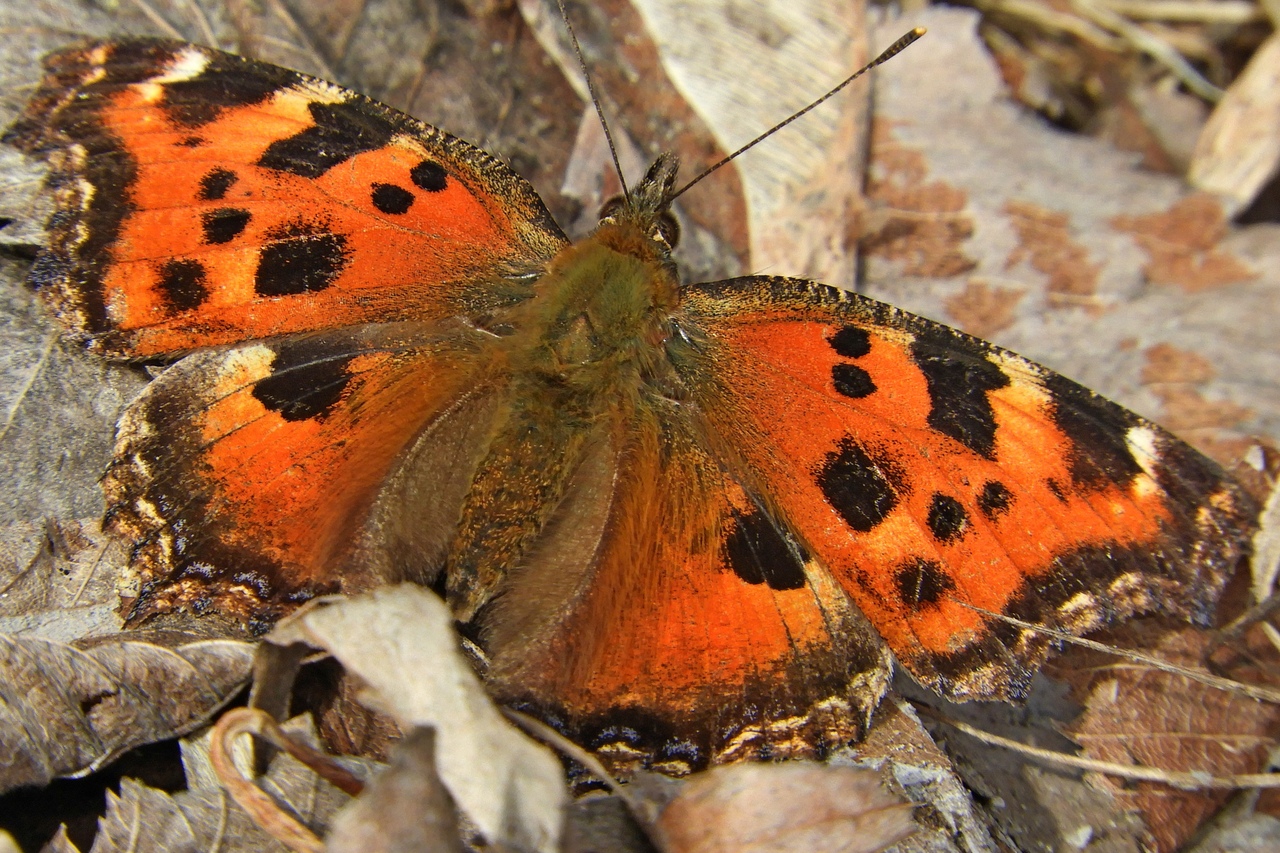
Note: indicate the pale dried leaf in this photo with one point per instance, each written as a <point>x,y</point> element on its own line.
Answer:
<point>58,580</point>
<point>404,809</point>
<point>760,67</point>
<point>1266,548</point>
<point>60,843</point>
<point>1239,149</point>
<point>771,808</point>
<point>1258,833</point>
<point>70,709</point>
<point>400,642</point>
<point>1112,263</point>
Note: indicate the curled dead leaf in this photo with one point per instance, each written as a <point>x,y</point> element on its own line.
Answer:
<point>406,808</point>
<point>400,642</point>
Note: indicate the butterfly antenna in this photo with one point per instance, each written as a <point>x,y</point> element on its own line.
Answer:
<point>889,53</point>
<point>595,96</point>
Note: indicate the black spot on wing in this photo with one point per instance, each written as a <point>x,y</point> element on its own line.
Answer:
<point>304,383</point>
<point>224,224</point>
<point>947,519</point>
<point>851,342</point>
<point>301,260</point>
<point>215,183</point>
<point>430,176</point>
<point>994,500</point>
<point>758,552</point>
<point>391,199</point>
<point>862,489</point>
<point>852,381</point>
<point>227,82</point>
<point>1097,429</point>
<point>182,282</point>
<point>922,583</point>
<point>958,384</point>
<point>340,132</point>
<point>192,141</point>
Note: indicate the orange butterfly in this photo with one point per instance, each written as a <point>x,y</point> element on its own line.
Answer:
<point>685,523</point>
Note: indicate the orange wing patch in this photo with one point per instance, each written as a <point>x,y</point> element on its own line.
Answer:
<point>948,480</point>
<point>216,200</point>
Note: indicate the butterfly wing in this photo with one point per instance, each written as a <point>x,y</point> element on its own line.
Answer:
<point>665,617</point>
<point>946,483</point>
<point>207,199</point>
<point>246,476</point>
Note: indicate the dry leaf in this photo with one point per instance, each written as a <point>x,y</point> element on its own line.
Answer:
<point>741,72</point>
<point>1255,834</point>
<point>1138,715</point>
<point>67,710</point>
<point>58,580</point>
<point>404,809</point>
<point>1239,149</point>
<point>400,642</point>
<point>1266,548</point>
<point>141,819</point>
<point>772,808</point>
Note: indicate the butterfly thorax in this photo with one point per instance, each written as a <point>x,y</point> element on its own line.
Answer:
<point>600,315</point>
<point>589,358</point>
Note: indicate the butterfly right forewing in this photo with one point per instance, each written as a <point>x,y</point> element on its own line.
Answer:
<point>945,482</point>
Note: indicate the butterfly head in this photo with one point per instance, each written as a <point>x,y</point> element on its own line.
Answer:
<point>648,204</point>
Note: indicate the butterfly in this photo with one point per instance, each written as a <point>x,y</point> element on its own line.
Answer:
<point>684,523</point>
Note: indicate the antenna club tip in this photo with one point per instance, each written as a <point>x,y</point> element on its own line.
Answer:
<point>919,31</point>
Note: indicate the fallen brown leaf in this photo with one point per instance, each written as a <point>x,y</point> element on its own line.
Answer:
<point>1239,150</point>
<point>405,809</point>
<point>69,709</point>
<point>1134,714</point>
<point>771,808</point>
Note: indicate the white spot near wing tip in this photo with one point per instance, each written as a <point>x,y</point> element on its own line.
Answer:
<point>1142,442</point>
<point>1144,447</point>
<point>187,64</point>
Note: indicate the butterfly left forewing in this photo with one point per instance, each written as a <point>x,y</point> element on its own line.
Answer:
<point>203,199</point>
<point>946,482</point>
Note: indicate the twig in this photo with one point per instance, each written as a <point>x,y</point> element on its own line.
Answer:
<point>1052,22</point>
<point>1149,44</point>
<point>260,806</point>
<point>1193,780</point>
<point>1253,691</point>
<point>1188,11</point>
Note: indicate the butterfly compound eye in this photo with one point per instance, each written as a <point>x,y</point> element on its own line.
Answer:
<point>668,229</point>
<point>611,207</point>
